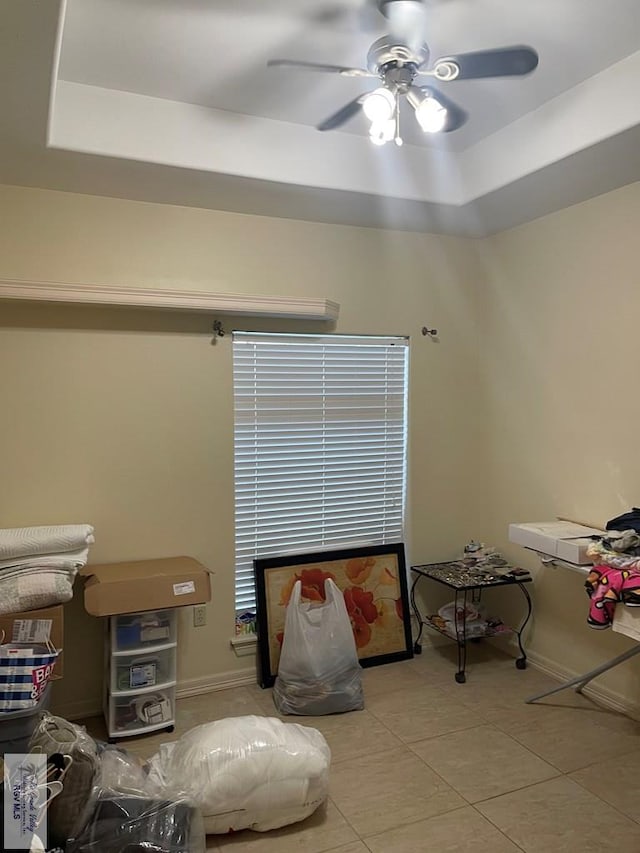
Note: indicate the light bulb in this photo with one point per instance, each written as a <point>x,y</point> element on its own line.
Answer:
<point>379,105</point>
<point>431,115</point>
<point>382,131</point>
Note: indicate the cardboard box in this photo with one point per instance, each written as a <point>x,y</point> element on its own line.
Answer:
<point>562,539</point>
<point>114,588</point>
<point>27,627</point>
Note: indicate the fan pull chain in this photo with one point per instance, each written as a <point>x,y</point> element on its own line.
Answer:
<point>398,138</point>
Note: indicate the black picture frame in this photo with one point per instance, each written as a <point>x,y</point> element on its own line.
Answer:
<point>370,577</point>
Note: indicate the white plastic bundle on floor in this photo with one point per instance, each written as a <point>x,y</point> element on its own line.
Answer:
<point>246,772</point>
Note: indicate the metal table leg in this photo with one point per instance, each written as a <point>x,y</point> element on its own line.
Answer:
<point>521,662</point>
<point>581,680</point>
<point>461,640</point>
<point>417,647</point>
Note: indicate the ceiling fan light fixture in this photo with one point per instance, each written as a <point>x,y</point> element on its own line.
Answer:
<point>382,132</point>
<point>403,56</point>
<point>430,113</point>
<point>379,105</point>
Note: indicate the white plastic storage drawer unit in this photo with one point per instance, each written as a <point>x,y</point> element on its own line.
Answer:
<point>140,658</point>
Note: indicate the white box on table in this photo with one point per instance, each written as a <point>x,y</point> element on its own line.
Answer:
<point>562,539</point>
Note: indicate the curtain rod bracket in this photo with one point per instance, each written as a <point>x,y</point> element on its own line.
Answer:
<point>218,329</point>
<point>431,332</point>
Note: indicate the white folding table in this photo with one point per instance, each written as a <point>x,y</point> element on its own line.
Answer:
<point>581,680</point>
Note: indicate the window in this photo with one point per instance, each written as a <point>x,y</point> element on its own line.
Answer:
<point>320,445</point>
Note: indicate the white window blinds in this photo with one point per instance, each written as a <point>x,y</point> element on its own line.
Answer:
<point>320,445</point>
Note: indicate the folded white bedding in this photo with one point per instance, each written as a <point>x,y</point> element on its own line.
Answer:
<point>32,589</point>
<point>47,539</point>
<point>66,560</point>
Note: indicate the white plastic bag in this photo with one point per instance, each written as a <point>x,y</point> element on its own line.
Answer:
<point>459,618</point>
<point>318,671</point>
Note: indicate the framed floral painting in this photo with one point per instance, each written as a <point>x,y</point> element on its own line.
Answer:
<point>373,582</point>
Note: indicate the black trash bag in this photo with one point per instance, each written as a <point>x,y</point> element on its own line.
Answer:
<point>125,824</point>
<point>627,521</point>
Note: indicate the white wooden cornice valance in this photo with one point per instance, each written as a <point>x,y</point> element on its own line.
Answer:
<point>303,308</point>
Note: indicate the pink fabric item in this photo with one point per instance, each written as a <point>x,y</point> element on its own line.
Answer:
<point>606,586</point>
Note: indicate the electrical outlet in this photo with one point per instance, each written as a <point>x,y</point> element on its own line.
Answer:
<point>199,615</point>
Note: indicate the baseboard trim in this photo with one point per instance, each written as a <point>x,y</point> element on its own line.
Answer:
<point>185,688</point>
<point>214,683</point>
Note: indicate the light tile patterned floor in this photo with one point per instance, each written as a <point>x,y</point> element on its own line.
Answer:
<point>431,765</point>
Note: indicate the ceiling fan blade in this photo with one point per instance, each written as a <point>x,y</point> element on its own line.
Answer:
<point>456,116</point>
<point>502,62</point>
<point>342,115</point>
<point>317,66</point>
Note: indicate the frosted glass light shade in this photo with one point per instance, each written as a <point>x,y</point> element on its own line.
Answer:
<point>431,115</point>
<point>379,105</point>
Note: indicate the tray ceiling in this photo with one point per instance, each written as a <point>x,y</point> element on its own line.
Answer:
<point>173,102</point>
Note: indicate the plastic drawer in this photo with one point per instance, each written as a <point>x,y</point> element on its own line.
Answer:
<point>138,630</point>
<point>138,670</point>
<point>137,713</point>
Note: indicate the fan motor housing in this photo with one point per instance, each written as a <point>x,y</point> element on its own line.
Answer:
<point>385,5</point>
<point>386,53</point>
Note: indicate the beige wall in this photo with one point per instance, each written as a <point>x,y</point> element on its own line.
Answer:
<point>123,418</point>
<point>560,353</point>
<point>524,409</point>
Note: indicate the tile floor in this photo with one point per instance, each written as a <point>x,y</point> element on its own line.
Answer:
<point>431,765</point>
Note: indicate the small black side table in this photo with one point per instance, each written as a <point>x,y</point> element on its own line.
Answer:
<point>468,582</point>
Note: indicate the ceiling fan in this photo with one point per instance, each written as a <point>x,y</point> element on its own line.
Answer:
<point>401,60</point>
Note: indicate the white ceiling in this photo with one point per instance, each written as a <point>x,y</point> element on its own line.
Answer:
<point>171,101</point>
